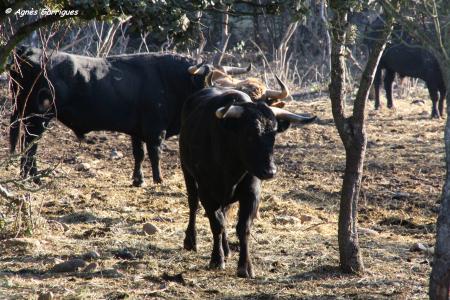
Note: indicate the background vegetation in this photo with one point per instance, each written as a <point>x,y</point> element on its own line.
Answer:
<point>318,47</point>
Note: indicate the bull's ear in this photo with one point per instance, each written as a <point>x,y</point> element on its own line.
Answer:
<point>230,111</point>
<point>198,69</point>
<point>44,102</point>
<point>283,125</point>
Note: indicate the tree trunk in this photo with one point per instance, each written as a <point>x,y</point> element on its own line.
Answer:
<point>282,50</point>
<point>349,252</point>
<point>323,17</point>
<point>225,37</point>
<point>352,132</point>
<point>440,273</point>
<point>256,32</point>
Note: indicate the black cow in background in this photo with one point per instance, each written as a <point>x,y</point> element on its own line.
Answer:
<point>411,61</point>
<point>407,58</point>
<point>226,149</point>
<point>140,95</point>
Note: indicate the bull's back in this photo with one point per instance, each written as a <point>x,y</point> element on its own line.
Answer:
<point>95,95</point>
<point>411,61</point>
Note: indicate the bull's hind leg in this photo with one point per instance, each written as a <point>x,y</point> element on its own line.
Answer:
<point>138,153</point>
<point>388,81</point>
<point>376,87</point>
<point>442,93</point>
<point>248,193</point>
<point>434,99</point>
<point>154,150</point>
<point>190,240</point>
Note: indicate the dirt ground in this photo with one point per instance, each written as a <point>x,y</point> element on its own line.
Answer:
<point>92,207</point>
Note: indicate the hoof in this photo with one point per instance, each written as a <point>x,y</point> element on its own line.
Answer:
<point>217,265</point>
<point>157,180</point>
<point>138,183</point>
<point>189,244</point>
<point>435,116</point>
<point>37,181</point>
<point>245,272</point>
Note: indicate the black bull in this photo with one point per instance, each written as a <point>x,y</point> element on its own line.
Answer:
<point>226,148</point>
<point>414,62</point>
<point>406,57</point>
<point>140,95</point>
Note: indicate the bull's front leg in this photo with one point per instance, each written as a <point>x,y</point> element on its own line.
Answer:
<point>154,149</point>
<point>190,239</point>
<point>388,81</point>
<point>138,154</point>
<point>225,245</point>
<point>28,167</point>
<point>248,195</point>
<point>376,87</point>
<point>217,223</point>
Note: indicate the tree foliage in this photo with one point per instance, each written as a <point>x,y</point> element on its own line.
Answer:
<point>164,18</point>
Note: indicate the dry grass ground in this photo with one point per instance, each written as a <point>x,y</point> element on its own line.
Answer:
<point>294,243</point>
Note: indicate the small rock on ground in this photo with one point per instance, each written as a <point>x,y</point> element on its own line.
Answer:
<point>400,195</point>
<point>367,231</point>
<point>150,229</point>
<point>124,254</point>
<point>69,266</point>
<point>91,255</point>
<point>115,154</point>
<point>82,167</point>
<point>90,267</point>
<point>286,220</point>
<point>418,102</point>
<point>111,273</point>
<point>418,247</point>
<point>305,218</point>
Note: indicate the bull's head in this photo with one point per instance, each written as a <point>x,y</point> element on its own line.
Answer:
<point>254,87</point>
<point>210,73</point>
<point>254,126</point>
<point>32,98</point>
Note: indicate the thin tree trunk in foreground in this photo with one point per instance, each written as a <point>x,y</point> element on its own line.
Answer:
<point>352,131</point>
<point>440,273</point>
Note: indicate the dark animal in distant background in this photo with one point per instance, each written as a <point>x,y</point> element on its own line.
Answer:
<point>141,95</point>
<point>413,62</point>
<point>226,149</point>
<point>407,58</point>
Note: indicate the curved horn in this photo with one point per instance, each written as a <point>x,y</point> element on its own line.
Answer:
<point>232,112</point>
<point>209,80</point>
<point>278,94</point>
<point>288,116</point>
<point>236,70</point>
<point>197,69</point>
